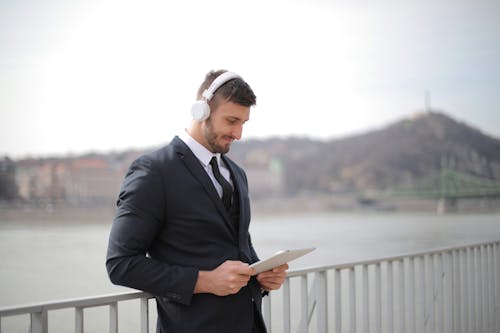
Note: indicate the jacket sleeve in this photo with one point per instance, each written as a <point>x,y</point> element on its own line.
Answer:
<point>139,217</point>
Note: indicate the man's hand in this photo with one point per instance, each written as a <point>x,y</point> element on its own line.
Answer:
<point>226,279</point>
<point>273,279</point>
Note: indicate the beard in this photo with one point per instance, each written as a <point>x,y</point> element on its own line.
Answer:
<point>211,138</point>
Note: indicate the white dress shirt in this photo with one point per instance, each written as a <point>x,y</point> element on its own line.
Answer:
<point>204,156</point>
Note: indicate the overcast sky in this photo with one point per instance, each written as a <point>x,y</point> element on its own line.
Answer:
<point>87,75</point>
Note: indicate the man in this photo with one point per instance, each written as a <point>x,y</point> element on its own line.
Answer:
<point>181,226</point>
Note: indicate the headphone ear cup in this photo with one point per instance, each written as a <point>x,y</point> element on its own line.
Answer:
<point>200,110</point>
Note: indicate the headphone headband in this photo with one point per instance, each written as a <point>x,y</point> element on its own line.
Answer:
<point>217,83</point>
<point>200,109</point>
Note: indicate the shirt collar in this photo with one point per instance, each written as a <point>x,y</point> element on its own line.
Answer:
<point>202,153</point>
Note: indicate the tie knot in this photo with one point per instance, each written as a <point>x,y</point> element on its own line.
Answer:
<point>213,162</point>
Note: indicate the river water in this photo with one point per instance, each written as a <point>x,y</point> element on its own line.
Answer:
<point>52,261</point>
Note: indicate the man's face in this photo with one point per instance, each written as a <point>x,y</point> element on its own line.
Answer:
<point>225,125</point>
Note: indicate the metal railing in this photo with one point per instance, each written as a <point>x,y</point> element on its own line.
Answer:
<point>445,290</point>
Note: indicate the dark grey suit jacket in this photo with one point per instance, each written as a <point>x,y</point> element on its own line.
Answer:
<point>170,223</point>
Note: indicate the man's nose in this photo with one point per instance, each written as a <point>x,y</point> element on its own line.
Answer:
<point>237,132</point>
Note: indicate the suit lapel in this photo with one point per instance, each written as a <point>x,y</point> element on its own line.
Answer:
<point>196,169</point>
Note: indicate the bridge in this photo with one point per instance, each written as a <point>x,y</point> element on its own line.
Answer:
<point>449,290</point>
<point>448,186</point>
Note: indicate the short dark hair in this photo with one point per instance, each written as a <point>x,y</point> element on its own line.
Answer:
<point>235,90</point>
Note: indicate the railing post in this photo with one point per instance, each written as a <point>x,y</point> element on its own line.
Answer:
<point>471,291</point>
<point>304,309</point>
<point>401,297</point>
<point>39,322</point>
<point>321,290</point>
<point>463,287</point>
<point>113,317</point>
<point>390,298</point>
<point>286,306</point>
<point>457,299</point>
<point>438,293</point>
<point>448,300</point>
<point>410,294</point>
<point>378,298</point>
<point>476,291</point>
<point>491,294</point>
<point>266,311</point>
<point>496,282</point>
<point>144,315</point>
<point>337,301</point>
<point>484,284</point>
<point>419,295</point>
<point>79,320</point>
<point>365,303</point>
<point>352,299</point>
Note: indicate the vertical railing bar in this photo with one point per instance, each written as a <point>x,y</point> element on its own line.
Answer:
<point>479,264</point>
<point>496,283</point>
<point>401,296</point>
<point>390,298</point>
<point>496,311</point>
<point>79,320</point>
<point>463,290</point>
<point>448,300</point>
<point>144,315</point>
<point>352,299</point>
<point>490,268</point>
<point>365,303</point>
<point>457,299</point>
<point>113,317</point>
<point>266,311</point>
<point>477,291</point>
<point>484,285</point>
<point>429,295</point>
<point>419,295</point>
<point>286,306</point>
<point>438,285</point>
<point>378,299</point>
<point>39,322</point>
<point>410,290</point>
<point>311,300</point>
<point>337,301</point>
<point>493,287</point>
<point>470,295</point>
<point>322,310</point>
<point>303,324</point>
<point>312,304</point>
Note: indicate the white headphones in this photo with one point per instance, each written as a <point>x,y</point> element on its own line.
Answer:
<point>200,109</point>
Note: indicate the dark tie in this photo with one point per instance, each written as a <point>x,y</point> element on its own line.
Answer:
<point>227,190</point>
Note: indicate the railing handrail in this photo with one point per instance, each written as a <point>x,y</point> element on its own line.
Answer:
<point>102,300</point>
<point>80,302</point>
<point>410,255</point>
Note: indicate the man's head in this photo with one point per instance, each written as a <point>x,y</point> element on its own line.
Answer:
<point>234,90</point>
<point>229,110</point>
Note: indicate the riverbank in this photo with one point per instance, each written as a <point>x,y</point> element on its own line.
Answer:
<point>300,204</point>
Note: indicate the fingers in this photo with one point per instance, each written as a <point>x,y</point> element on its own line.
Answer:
<point>273,279</point>
<point>230,277</point>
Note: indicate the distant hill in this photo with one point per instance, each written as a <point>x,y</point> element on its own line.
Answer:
<point>399,154</point>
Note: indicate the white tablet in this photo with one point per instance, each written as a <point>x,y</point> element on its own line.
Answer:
<point>280,258</point>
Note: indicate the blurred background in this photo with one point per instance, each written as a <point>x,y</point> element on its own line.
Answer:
<point>377,124</point>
